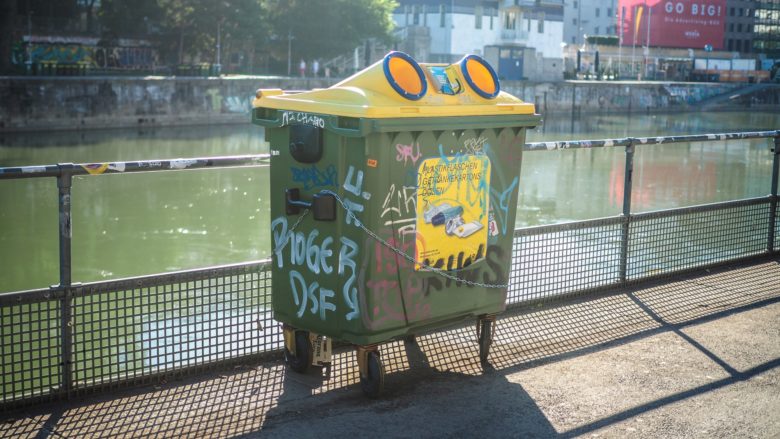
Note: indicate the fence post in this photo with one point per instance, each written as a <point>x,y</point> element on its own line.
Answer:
<point>64,182</point>
<point>627,187</point>
<point>770,246</point>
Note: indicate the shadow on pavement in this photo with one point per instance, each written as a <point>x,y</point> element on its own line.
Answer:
<point>440,371</point>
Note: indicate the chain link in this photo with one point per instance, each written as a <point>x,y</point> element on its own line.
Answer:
<point>401,253</point>
<point>280,247</point>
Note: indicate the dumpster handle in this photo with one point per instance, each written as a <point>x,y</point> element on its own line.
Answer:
<point>400,252</point>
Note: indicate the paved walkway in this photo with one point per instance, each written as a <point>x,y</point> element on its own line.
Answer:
<point>697,356</point>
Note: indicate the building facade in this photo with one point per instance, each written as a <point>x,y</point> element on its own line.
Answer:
<point>766,27</point>
<point>588,17</point>
<point>520,38</point>
<point>740,21</point>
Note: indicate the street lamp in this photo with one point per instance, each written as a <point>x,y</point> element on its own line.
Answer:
<point>218,67</point>
<point>289,51</point>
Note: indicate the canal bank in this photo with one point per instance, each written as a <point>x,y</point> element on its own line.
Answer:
<point>57,103</point>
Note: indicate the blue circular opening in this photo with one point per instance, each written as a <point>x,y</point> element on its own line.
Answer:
<point>471,83</point>
<point>393,83</point>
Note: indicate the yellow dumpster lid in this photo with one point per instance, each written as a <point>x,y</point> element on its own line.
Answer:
<point>397,87</point>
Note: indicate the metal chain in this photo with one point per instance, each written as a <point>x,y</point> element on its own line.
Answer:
<point>401,253</point>
<point>280,247</point>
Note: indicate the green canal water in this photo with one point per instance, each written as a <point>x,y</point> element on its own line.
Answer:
<point>135,224</point>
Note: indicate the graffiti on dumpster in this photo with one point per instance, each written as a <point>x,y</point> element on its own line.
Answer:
<point>408,153</point>
<point>297,117</point>
<point>449,215</point>
<point>312,177</point>
<point>318,255</point>
<point>400,208</point>
<point>393,298</point>
<point>353,184</point>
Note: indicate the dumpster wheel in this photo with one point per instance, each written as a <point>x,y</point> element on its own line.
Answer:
<point>372,373</point>
<point>301,359</point>
<point>485,337</point>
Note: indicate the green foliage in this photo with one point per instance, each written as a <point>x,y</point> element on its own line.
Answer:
<point>187,27</point>
<point>319,28</point>
<point>129,19</point>
<point>326,28</point>
<point>603,40</point>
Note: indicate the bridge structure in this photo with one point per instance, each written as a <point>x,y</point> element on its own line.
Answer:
<point>75,339</point>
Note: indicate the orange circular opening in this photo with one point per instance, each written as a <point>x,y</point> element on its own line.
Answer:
<point>480,76</point>
<point>405,75</point>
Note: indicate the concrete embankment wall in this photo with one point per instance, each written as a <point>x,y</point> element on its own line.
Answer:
<point>48,103</point>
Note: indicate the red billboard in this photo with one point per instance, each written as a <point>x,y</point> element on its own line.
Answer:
<point>672,23</point>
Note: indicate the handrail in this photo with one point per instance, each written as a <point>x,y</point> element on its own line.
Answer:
<point>60,169</point>
<point>264,159</point>
<point>636,141</point>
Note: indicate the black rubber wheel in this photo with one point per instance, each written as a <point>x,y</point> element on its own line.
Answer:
<point>301,361</point>
<point>485,334</point>
<point>374,384</point>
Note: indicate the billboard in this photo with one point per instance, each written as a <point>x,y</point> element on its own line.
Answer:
<point>672,23</point>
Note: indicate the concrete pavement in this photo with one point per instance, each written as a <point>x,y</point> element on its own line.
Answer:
<point>697,356</point>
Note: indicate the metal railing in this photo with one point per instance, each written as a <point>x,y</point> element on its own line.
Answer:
<point>72,337</point>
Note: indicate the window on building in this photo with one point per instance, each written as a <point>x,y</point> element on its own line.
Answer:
<point>731,27</point>
<point>575,4</point>
<point>442,18</point>
<point>425,15</point>
<point>731,12</point>
<point>540,24</point>
<point>739,27</point>
<point>509,20</point>
<point>750,28</point>
<point>528,24</point>
<point>490,13</point>
<point>741,11</point>
<point>731,45</point>
<point>747,12</point>
<point>596,30</point>
<point>737,45</point>
<point>746,46</point>
<point>416,14</point>
<point>572,40</point>
<point>574,21</point>
<point>597,13</point>
<point>609,12</point>
<point>478,17</point>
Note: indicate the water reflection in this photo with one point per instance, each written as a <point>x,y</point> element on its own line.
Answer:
<point>126,225</point>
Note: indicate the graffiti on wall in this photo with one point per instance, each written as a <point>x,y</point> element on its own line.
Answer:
<point>75,53</point>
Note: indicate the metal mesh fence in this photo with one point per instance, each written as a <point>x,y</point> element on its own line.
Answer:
<point>562,259</point>
<point>134,329</point>
<point>671,241</point>
<point>141,327</point>
<point>30,348</point>
<point>777,227</point>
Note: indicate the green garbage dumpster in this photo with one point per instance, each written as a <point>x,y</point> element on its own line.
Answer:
<point>393,201</point>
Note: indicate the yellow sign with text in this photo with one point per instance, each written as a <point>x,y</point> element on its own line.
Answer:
<point>452,211</point>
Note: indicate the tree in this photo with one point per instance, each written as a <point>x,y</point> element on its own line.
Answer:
<point>327,28</point>
<point>123,18</point>
<point>190,27</point>
<point>8,13</point>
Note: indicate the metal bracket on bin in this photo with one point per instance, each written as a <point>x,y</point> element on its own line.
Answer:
<point>323,206</point>
<point>289,338</point>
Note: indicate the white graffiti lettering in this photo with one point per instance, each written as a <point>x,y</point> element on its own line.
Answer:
<point>291,117</point>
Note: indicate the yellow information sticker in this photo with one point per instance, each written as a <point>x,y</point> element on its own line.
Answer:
<point>452,211</point>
